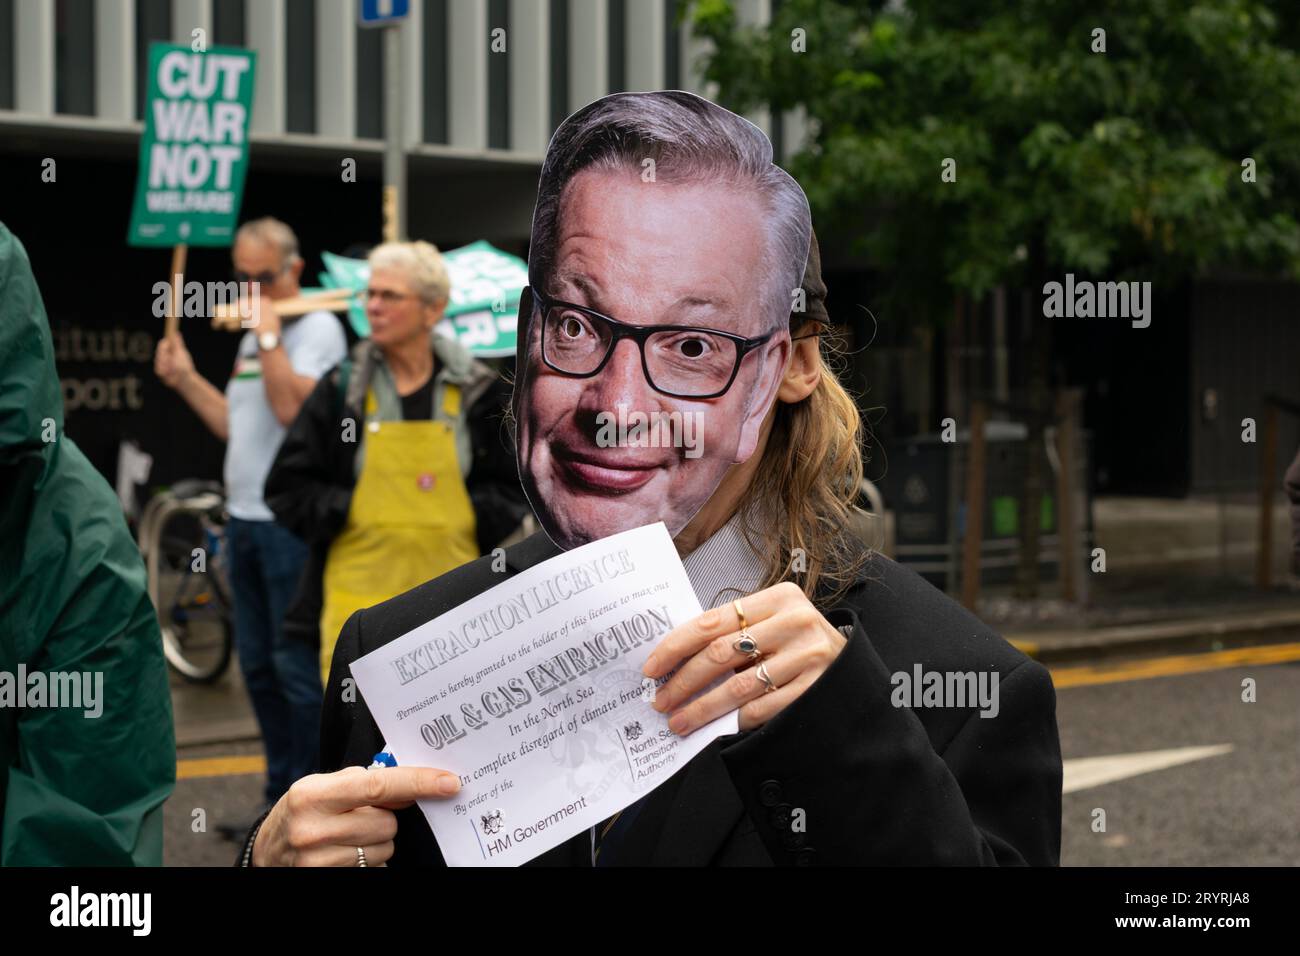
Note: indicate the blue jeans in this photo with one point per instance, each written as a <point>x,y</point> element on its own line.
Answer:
<point>282,675</point>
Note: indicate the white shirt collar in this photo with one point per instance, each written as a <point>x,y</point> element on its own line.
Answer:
<point>725,567</point>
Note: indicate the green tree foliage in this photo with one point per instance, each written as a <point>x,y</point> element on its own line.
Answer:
<point>1123,163</point>
<point>1127,162</point>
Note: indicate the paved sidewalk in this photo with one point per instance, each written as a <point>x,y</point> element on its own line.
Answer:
<point>212,713</point>
<point>1179,578</point>
<point>1148,617</point>
<point>1207,633</point>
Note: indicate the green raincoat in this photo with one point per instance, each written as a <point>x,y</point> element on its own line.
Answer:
<point>75,789</point>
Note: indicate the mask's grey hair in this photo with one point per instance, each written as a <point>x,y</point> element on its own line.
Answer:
<point>690,140</point>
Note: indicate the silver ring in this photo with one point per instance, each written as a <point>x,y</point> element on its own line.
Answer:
<point>745,644</point>
<point>361,857</point>
<point>769,685</point>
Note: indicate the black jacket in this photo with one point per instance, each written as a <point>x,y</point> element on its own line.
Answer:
<point>309,487</point>
<point>878,784</point>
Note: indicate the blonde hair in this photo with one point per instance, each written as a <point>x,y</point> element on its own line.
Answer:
<point>804,492</point>
<point>421,263</point>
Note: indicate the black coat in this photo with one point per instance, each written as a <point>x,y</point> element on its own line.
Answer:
<point>878,784</point>
<point>309,487</point>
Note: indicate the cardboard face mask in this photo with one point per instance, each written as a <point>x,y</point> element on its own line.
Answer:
<point>665,250</point>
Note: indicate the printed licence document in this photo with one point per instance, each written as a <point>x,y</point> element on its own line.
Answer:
<point>532,693</point>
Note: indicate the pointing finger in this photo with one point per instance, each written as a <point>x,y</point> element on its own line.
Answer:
<point>356,787</point>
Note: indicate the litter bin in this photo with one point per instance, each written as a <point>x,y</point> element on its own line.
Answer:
<point>925,487</point>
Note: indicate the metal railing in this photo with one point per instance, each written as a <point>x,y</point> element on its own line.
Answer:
<point>1267,483</point>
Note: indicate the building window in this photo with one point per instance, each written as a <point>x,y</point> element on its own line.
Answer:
<point>7,54</point>
<point>615,37</point>
<point>228,22</point>
<point>370,83</point>
<point>153,24</point>
<point>559,61</point>
<point>300,66</point>
<point>435,71</point>
<point>74,57</point>
<point>498,98</point>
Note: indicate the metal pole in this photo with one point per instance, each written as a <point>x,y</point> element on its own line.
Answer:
<point>394,158</point>
<point>1267,470</point>
<point>975,484</point>
<point>1067,405</point>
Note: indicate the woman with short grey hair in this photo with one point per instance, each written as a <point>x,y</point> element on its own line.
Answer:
<point>395,470</point>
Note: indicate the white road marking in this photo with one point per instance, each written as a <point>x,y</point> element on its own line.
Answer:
<point>1085,772</point>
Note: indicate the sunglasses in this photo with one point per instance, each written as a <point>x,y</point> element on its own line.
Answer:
<point>262,278</point>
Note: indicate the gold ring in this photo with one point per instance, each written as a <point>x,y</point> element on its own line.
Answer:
<point>740,614</point>
<point>766,678</point>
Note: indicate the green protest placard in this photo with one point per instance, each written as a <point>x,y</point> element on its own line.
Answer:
<point>485,287</point>
<point>194,151</point>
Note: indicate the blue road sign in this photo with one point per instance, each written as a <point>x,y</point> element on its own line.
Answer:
<point>381,13</point>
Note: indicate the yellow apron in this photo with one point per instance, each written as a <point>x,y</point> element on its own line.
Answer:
<point>410,519</point>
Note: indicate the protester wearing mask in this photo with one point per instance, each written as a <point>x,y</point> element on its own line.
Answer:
<point>681,296</point>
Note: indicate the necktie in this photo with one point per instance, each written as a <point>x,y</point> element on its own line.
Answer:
<point>609,835</point>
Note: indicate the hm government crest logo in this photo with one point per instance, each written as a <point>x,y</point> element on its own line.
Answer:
<point>633,730</point>
<point>491,822</point>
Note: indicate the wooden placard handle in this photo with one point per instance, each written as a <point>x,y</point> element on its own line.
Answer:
<point>176,278</point>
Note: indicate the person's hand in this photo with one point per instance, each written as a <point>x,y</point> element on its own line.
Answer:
<point>172,361</point>
<point>263,317</point>
<point>797,645</point>
<point>323,818</point>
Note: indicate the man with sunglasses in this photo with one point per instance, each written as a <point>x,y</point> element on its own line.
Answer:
<point>276,367</point>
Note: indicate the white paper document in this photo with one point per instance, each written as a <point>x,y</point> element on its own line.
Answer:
<point>532,693</point>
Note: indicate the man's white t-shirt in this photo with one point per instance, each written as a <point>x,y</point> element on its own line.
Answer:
<point>314,343</point>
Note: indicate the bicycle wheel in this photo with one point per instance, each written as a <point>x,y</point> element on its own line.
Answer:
<point>194,610</point>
